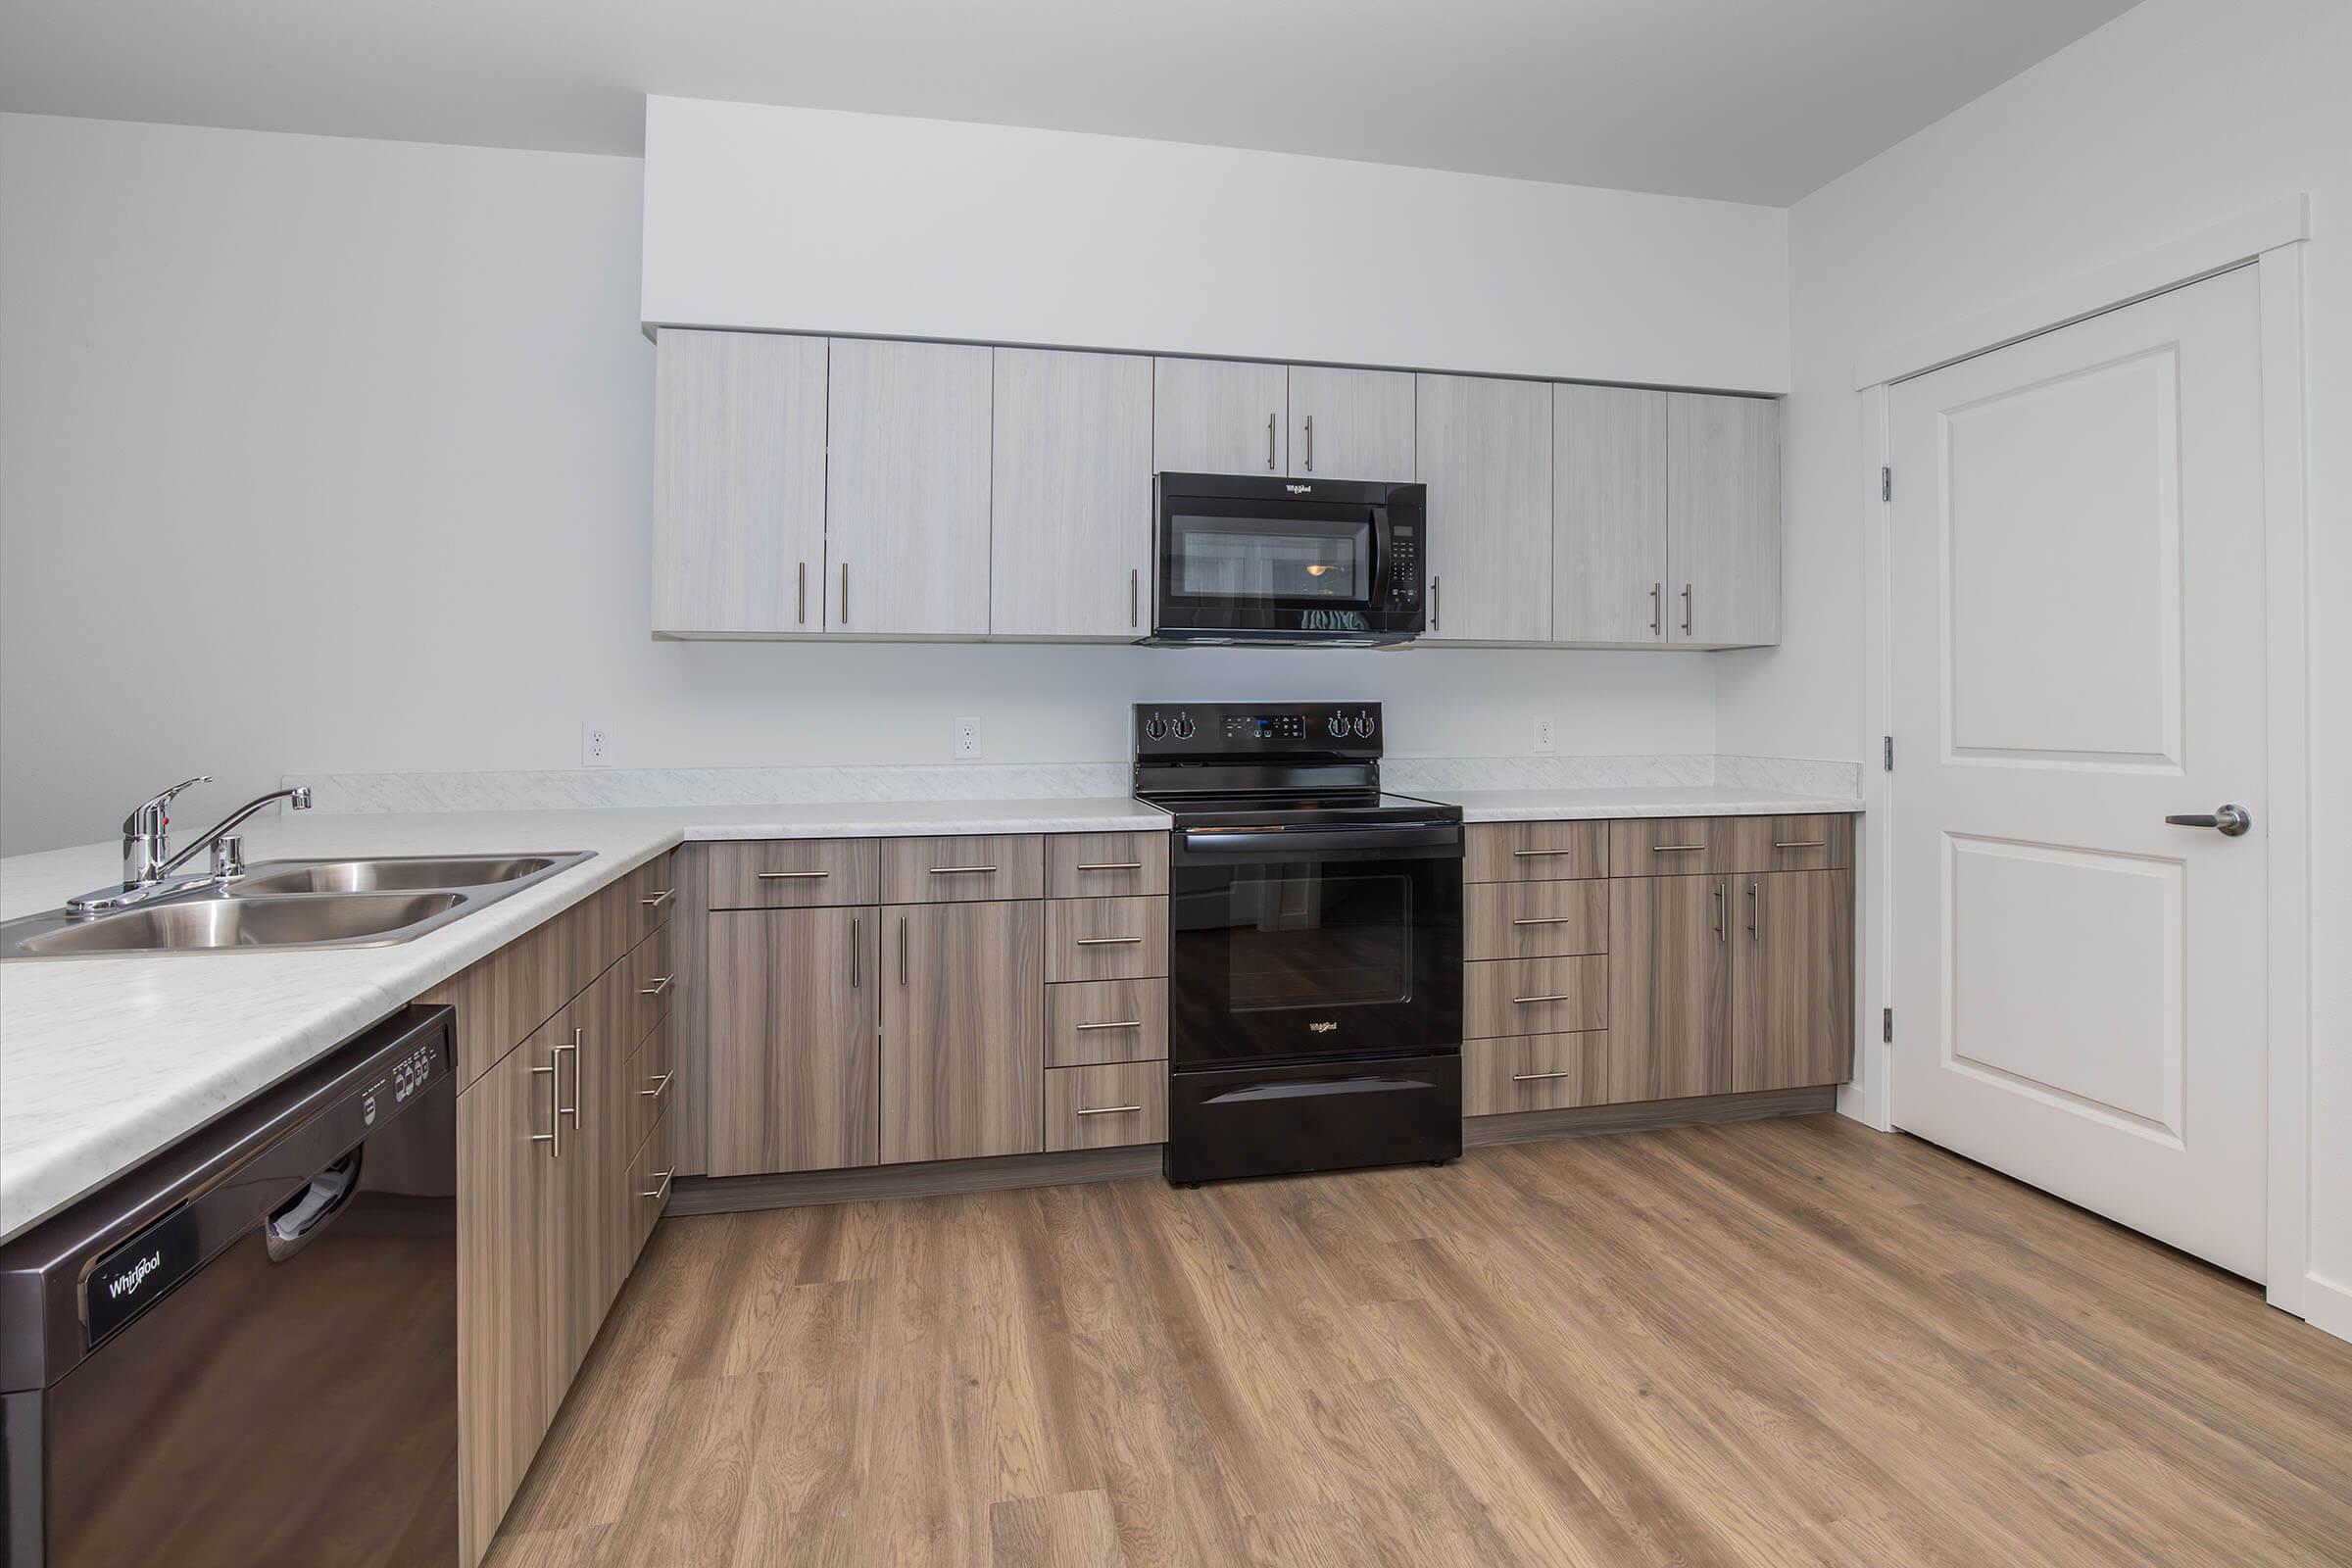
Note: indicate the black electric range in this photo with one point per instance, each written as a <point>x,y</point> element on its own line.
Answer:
<point>1315,964</point>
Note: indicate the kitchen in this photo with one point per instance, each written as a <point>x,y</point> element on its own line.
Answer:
<point>826,717</point>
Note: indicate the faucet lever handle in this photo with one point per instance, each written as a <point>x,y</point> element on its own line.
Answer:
<point>142,816</point>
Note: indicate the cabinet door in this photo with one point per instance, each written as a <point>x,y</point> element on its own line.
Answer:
<point>962,1030</point>
<point>739,482</point>
<point>907,489</point>
<point>604,1017</point>
<point>1609,514</point>
<point>1670,975</point>
<point>1723,519</point>
<point>1792,980</point>
<point>1350,424</point>
<point>514,1251</point>
<point>1072,514</point>
<point>1217,417</point>
<point>1484,449</point>
<point>792,1055</point>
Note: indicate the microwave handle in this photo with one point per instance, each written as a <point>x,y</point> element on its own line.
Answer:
<point>1382,589</point>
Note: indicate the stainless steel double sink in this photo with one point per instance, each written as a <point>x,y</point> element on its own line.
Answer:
<point>349,902</point>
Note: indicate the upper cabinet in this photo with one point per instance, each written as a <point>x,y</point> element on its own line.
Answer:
<point>1484,449</point>
<point>1218,416</point>
<point>1072,553</point>
<point>907,489</point>
<point>739,484</point>
<point>1723,519</point>
<point>1350,424</point>
<point>1609,514</point>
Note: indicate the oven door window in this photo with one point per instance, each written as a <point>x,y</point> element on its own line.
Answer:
<point>1318,937</point>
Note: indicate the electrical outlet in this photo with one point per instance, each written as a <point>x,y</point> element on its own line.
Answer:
<point>967,740</point>
<point>1542,733</point>
<point>596,744</point>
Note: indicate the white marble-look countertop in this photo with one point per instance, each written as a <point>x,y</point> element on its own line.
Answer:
<point>103,1062</point>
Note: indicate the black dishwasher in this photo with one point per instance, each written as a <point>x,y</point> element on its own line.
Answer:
<point>244,1352</point>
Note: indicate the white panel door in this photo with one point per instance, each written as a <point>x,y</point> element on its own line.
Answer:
<point>907,489</point>
<point>2076,549</point>
<point>1484,448</point>
<point>1218,416</point>
<point>1072,514</point>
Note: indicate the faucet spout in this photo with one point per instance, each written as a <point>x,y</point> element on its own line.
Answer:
<point>298,797</point>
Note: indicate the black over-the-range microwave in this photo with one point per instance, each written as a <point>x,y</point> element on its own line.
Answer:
<point>1305,563</point>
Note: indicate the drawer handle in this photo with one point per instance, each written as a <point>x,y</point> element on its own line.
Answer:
<point>661,1192</point>
<point>660,985</point>
<point>1536,1077</point>
<point>1802,844</point>
<point>1545,919</point>
<point>963,870</point>
<point>1122,1023</point>
<point>1525,853</point>
<point>1107,941</point>
<point>1674,849</point>
<point>788,876</point>
<point>1108,1110</point>
<point>660,1084</point>
<point>658,900</point>
<point>1110,865</point>
<point>1557,995</point>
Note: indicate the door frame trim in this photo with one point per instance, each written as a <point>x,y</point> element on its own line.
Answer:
<point>2272,239</point>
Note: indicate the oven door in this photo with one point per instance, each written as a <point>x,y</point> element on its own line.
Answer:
<point>1314,941</point>
<point>1308,570</point>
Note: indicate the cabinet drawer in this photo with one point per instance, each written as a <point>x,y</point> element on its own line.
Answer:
<point>1535,1072</point>
<point>1672,846</point>
<point>649,893</point>
<point>648,1191</point>
<point>794,873</point>
<point>1007,865</point>
<point>1534,919</point>
<point>647,1084</point>
<point>1824,842</point>
<point>648,980</point>
<point>1100,1107</point>
<point>1095,1022</point>
<point>1534,997</point>
<point>1106,939</point>
<point>1534,851</point>
<point>1093,866</point>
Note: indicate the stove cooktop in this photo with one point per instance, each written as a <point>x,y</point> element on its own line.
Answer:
<point>1279,807</point>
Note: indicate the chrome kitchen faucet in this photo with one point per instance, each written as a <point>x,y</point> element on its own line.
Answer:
<point>148,862</point>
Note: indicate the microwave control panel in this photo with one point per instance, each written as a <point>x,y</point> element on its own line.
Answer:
<point>1405,562</point>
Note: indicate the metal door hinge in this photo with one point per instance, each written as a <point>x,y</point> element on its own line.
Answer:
<point>1887,1026</point>
<point>1886,484</point>
<point>1887,757</point>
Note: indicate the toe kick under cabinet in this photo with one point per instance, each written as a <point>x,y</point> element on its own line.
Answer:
<point>1655,959</point>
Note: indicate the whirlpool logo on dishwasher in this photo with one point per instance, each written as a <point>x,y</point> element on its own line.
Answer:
<point>131,1278</point>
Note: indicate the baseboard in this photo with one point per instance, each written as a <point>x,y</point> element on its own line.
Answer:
<point>728,1195</point>
<point>2328,1306</point>
<point>1528,1126</point>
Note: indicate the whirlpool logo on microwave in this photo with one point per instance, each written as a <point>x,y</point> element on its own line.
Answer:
<point>1332,620</point>
<point>1300,489</point>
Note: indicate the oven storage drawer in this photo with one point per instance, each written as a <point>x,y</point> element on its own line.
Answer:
<point>1332,1115</point>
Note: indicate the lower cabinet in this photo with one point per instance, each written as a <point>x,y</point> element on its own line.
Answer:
<point>1793,979</point>
<point>1670,984</point>
<point>962,1030</point>
<point>794,1005</point>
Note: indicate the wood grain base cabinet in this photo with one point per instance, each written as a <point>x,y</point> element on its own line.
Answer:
<point>1670,983</point>
<point>1792,980</point>
<point>963,1029</point>
<point>789,1045</point>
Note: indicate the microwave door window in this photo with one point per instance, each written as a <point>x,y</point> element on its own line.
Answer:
<point>1226,562</point>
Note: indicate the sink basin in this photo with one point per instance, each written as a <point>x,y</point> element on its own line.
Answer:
<point>237,921</point>
<point>392,875</point>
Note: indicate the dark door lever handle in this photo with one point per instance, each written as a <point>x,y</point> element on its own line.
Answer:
<point>2228,820</point>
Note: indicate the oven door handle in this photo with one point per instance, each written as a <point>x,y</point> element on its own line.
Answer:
<point>1308,838</point>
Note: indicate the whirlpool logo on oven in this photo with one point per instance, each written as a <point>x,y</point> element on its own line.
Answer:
<point>1323,1026</point>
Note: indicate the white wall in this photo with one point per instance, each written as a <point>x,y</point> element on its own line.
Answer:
<point>806,220</point>
<point>328,455</point>
<point>2178,114</point>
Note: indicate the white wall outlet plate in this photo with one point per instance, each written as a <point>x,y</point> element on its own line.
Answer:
<point>967,740</point>
<point>596,744</point>
<point>1541,738</point>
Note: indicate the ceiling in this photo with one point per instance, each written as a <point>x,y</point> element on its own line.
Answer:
<point>1747,100</point>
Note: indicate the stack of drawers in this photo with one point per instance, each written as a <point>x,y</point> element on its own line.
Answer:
<point>1536,975</point>
<point>1106,989</point>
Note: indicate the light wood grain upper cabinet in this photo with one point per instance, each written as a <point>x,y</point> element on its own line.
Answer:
<point>964,1018</point>
<point>739,484</point>
<point>907,489</point>
<point>1609,514</point>
<point>1218,416</point>
<point>1351,424</point>
<point>1072,515</point>
<point>1484,449</point>
<point>1723,519</point>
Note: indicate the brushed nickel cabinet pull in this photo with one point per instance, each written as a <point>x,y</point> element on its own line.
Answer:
<point>800,595</point>
<point>660,985</point>
<point>963,870</point>
<point>1310,443</point>
<point>1537,1077</point>
<point>1269,443</point>
<point>1110,865</point>
<point>854,947</point>
<point>1522,855</point>
<point>1721,896</point>
<point>661,1192</point>
<point>845,592</point>
<point>1657,608</point>
<point>655,900</point>
<point>1107,941</point>
<point>787,877</point>
<point>1108,1110</point>
<point>1686,609</point>
<point>1545,919</point>
<point>1122,1023</point>
<point>1801,844</point>
<point>554,1057</point>
<point>1135,576</point>
<point>1675,849</point>
<point>1557,995</point>
<point>901,950</point>
<point>660,1084</point>
<point>1751,914</point>
<point>554,1134</point>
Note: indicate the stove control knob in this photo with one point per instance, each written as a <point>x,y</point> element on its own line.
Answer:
<point>1156,728</point>
<point>1363,725</point>
<point>1336,723</point>
<point>1181,726</point>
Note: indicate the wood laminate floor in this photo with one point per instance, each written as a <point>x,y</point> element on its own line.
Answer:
<point>1790,1342</point>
